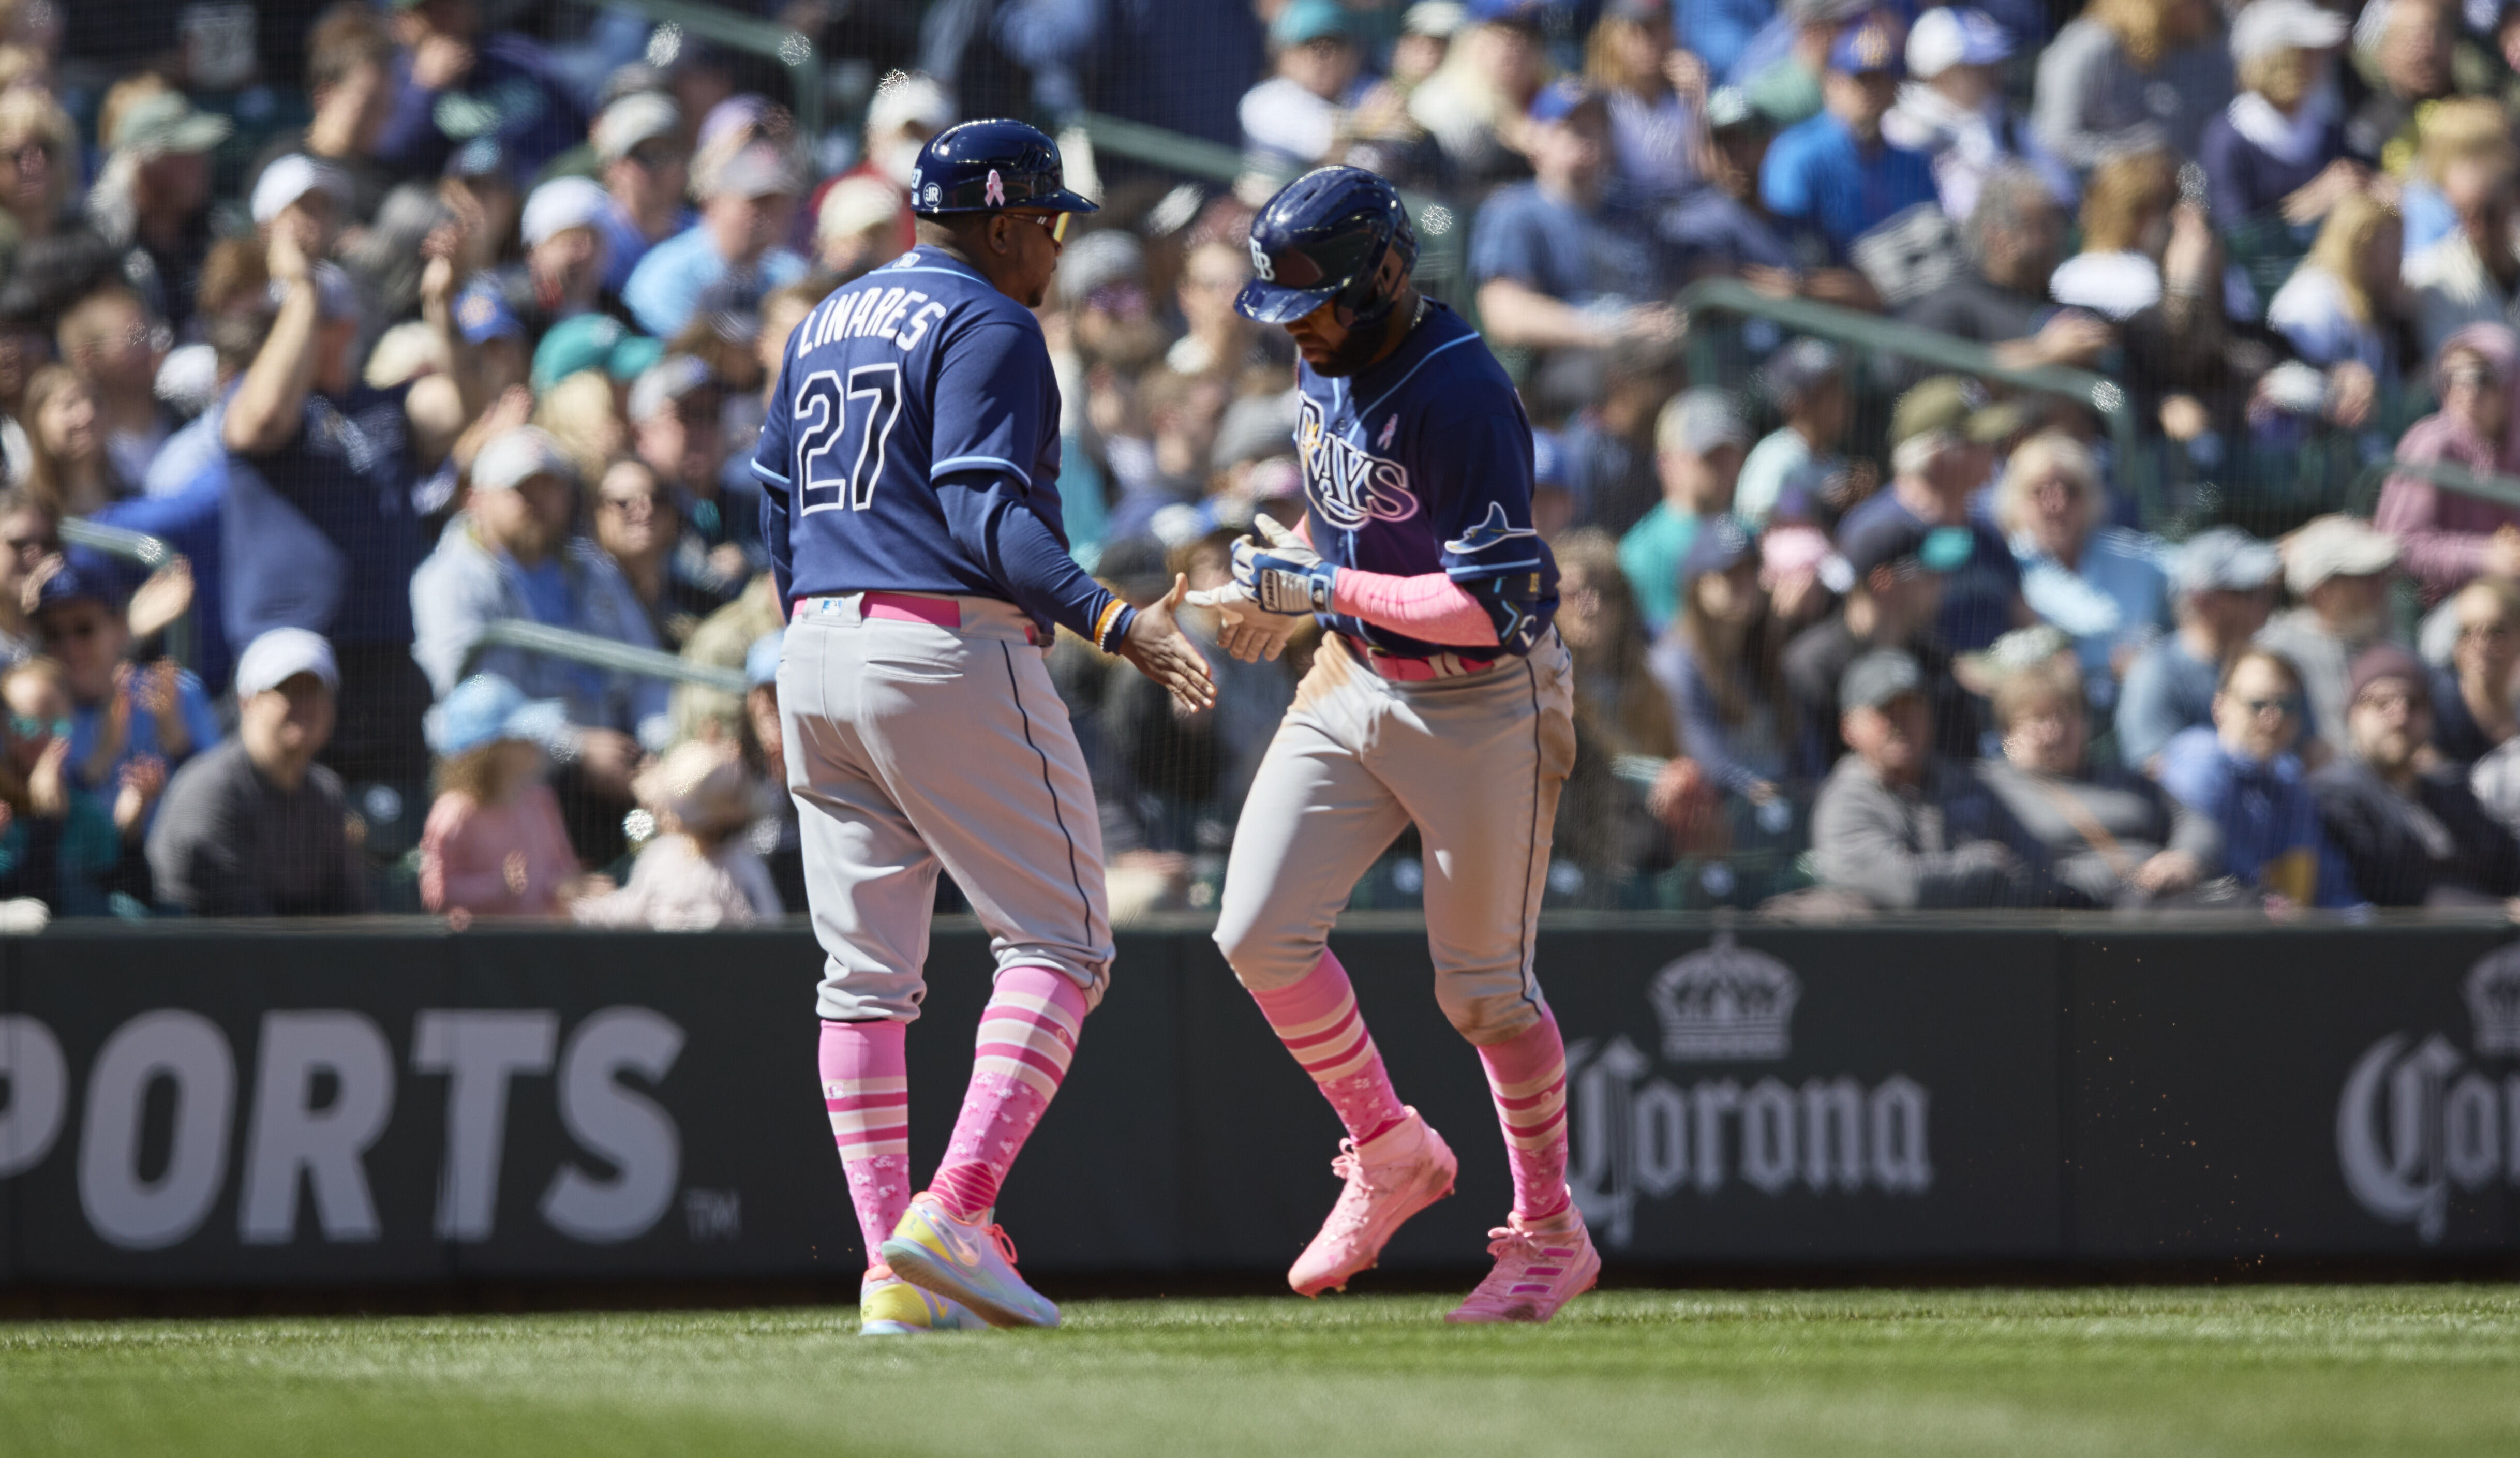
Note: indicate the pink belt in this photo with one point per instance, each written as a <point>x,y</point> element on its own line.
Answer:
<point>1400,670</point>
<point>902,606</point>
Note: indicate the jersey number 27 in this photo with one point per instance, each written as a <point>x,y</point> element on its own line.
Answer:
<point>831,474</point>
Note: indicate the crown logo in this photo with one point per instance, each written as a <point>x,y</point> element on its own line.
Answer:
<point>1725,1003</point>
<point>2493,992</point>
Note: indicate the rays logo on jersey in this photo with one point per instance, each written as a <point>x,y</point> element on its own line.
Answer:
<point>1494,531</point>
<point>1346,484</point>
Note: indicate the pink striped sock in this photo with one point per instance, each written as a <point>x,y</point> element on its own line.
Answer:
<point>866,1087</point>
<point>1527,1074</point>
<point>1027,1035</point>
<point>1316,1017</point>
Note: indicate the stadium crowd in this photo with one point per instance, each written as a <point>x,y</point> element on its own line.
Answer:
<point>401,321</point>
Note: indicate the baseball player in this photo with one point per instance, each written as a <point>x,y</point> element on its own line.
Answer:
<point>1441,696</point>
<point>912,512</point>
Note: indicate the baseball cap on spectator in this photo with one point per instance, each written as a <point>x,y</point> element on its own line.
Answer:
<point>482,314</point>
<point>2335,546</point>
<point>559,204</point>
<point>757,171</point>
<point>592,342</point>
<point>1440,18</point>
<point>1878,678</point>
<point>1524,12</point>
<point>1956,404</point>
<point>1254,429</point>
<point>2268,25</point>
<point>2020,649</point>
<point>486,708</point>
<point>1824,11</point>
<point>854,204</point>
<point>736,114</point>
<point>1867,45</point>
<point>1720,545</point>
<point>908,99</point>
<point>666,382</point>
<point>630,79</point>
<point>700,782</point>
<point>483,159</point>
<point>1098,259</point>
<point>1729,109</point>
<point>335,297</point>
<point>2388,661</point>
<point>281,654</point>
<point>1310,21</point>
<point>1697,420</point>
<point>2223,559</point>
<point>640,117</point>
<point>1794,370</point>
<point>1948,38</point>
<point>1563,98</point>
<point>1904,545</point>
<point>166,122</point>
<point>518,454</point>
<point>76,582</point>
<point>292,177</point>
<point>761,660</point>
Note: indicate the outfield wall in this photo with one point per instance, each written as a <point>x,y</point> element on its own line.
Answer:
<point>367,1105</point>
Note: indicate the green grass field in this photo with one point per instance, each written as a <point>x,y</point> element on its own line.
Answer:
<point>2263,1370</point>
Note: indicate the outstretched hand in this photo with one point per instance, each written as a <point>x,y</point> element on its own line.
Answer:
<point>1155,647</point>
<point>1241,629</point>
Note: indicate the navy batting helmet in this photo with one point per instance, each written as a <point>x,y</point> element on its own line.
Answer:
<point>981,166</point>
<point>1324,237</point>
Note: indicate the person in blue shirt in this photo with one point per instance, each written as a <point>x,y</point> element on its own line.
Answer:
<point>1941,438</point>
<point>731,256</point>
<point>646,170</point>
<point>449,75</point>
<point>1555,267</point>
<point>2103,585</point>
<point>1715,31</point>
<point>1834,175</point>
<point>123,715</point>
<point>2223,583</point>
<point>2242,771</point>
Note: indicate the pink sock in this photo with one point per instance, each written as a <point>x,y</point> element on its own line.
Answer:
<point>1317,1019</point>
<point>1527,1073</point>
<point>866,1086</point>
<point>1028,1034</point>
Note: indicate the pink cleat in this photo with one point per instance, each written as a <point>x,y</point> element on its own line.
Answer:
<point>1540,1267</point>
<point>1390,1177</point>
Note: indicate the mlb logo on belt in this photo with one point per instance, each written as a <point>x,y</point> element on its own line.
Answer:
<point>996,197</point>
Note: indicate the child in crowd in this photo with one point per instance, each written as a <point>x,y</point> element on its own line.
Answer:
<point>121,712</point>
<point>60,844</point>
<point>495,844</point>
<point>700,871</point>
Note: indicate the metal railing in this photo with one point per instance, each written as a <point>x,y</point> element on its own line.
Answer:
<point>150,553</point>
<point>2449,475</point>
<point>601,652</point>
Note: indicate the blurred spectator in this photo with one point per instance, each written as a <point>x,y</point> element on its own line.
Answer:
<point>1698,446</point>
<point>2473,700</point>
<point>2012,237</point>
<point>58,843</point>
<point>1609,456</point>
<point>256,827</point>
<point>2403,52</point>
<point>2276,159</point>
<point>776,834</point>
<point>1782,67</point>
<point>1629,60</point>
<point>2450,536</point>
<point>2338,569</point>
<point>1895,822</point>
<point>2110,836</point>
<point>123,715</point>
<point>2410,835</point>
<point>2103,585</point>
<point>699,872</point>
<point>1557,268</point>
<point>638,522</point>
<point>504,85</point>
<point>1722,227</point>
<point>2343,309</point>
<point>30,532</point>
<point>1159,461</point>
<point>1216,339</point>
<point>1716,32</point>
<point>495,844</point>
<point>1942,434</point>
<point>858,227</point>
<point>68,467</point>
<point>481,187</point>
<point>2129,75</point>
<point>731,256</point>
<point>511,554</point>
<point>674,424</point>
<point>724,639</point>
<point>2221,583</point>
<point>1719,663</point>
<point>1836,174</point>
<point>2244,774</point>
<point>107,339</point>
<point>2469,272</point>
<point>152,203</point>
<point>1807,382</point>
<point>38,169</point>
<point>906,110</point>
<point>1305,115</point>
<point>1473,105</point>
<point>1620,716</point>
<point>645,171</point>
<point>350,83</point>
<point>563,226</point>
<point>2126,226</point>
<point>1954,110</point>
<point>1897,567</point>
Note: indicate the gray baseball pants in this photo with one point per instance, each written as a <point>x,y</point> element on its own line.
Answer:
<point>912,748</point>
<point>1476,762</point>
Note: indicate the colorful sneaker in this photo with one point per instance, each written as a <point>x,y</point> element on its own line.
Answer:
<point>1540,1267</point>
<point>1390,1177</point>
<point>970,1262</point>
<point>889,1307</point>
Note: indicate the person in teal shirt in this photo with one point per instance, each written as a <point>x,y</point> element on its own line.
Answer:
<point>1700,441</point>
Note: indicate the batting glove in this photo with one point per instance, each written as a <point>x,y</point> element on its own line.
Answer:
<point>1283,574</point>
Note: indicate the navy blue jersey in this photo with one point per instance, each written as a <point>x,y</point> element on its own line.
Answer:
<point>915,413</point>
<point>1422,464</point>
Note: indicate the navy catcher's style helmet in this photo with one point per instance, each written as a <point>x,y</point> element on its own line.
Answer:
<point>1324,237</point>
<point>981,166</point>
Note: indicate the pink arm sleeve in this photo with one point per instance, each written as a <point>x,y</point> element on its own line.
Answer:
<point>1431,607</point>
